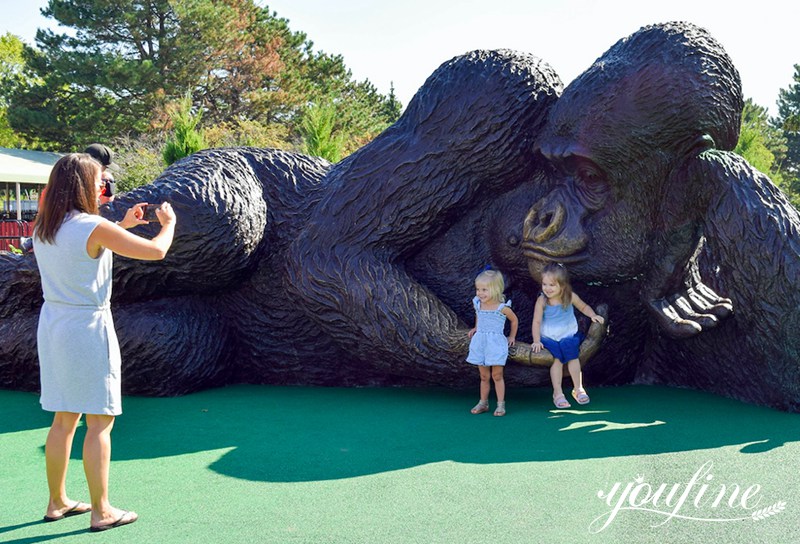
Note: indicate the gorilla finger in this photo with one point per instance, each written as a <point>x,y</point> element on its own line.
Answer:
<point>523,354</point>
<point>671,321</point>
<point>711,296</point>
<point>598,330</point>
<point>720,310</point>
<point>686,311</point>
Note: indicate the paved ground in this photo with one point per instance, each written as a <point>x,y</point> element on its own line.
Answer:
<point>288,465</point>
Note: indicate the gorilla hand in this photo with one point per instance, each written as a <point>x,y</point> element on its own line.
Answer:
<point>691,311</point>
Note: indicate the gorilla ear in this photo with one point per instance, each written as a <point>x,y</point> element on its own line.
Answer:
<point>700,144</point>
<point>698,176</point>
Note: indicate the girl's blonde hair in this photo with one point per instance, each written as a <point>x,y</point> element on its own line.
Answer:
<point>559,273</point>
<point>494,280</point>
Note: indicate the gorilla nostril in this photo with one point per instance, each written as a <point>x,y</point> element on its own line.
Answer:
<point>551,224</point>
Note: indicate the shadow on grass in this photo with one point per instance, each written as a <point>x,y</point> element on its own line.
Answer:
<point>288,434</point>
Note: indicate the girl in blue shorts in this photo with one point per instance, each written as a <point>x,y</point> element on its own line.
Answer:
<point>556,329</point>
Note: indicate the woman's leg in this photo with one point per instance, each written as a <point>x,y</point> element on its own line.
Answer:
<point>96,464</point>
<point>57,451</point>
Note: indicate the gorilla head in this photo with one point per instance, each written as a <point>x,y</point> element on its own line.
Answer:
<point>617,135</point>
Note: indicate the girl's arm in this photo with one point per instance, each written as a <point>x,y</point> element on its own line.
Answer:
<point>474,329</point>
<point>585,309</point>
<point>536,327</point>
<point>121,242</point>
<point>512,318</point>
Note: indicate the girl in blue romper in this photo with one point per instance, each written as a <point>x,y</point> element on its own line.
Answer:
<point>556,329</point>
<point>488,347</point>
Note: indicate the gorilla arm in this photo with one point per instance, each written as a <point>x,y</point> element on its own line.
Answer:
<point>675,293</point>
<point>747,236</point>
<point>377,313</point>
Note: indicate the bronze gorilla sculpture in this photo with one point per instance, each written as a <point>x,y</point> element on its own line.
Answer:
<point>287,269</point>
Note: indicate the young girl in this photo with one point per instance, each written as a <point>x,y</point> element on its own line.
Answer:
<point>488,347</point>
<point>555,328</point>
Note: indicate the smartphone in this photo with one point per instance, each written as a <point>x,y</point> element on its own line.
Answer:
<point>150,213</point>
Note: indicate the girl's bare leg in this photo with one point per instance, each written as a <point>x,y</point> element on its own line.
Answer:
<point>499,383</point>
<point>556,377</point>
<point>486,385</point>
<point>574,367</point>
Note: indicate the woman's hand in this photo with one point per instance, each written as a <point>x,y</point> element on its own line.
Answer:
<point>133,217</point>
<point>165,214</point>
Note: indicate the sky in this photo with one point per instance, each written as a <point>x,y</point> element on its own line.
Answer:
<point>401,42</point>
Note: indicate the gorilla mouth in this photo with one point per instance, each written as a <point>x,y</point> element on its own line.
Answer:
<point>541,253</point>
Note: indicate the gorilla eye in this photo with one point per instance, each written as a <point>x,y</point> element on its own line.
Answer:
<point>591,185</point>
<point>589,174</point>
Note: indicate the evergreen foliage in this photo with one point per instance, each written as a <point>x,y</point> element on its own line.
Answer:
<point>319,136</point>
<point>788,121</point>
<point>185,139</point>
<point>119,65</point>
<point>12,75</point>
<point>761,144</point>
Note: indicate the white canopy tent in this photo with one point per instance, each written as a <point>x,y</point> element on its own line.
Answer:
<point>20,166</point>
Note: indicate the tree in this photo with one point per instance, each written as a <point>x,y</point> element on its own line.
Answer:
<point>318,133</point>
<point>12,75</point>
<point>186,139</point>
<point>788,121</point>
<point>123,62</point>
<point>107,76</point>
<point>140,157</point>
<point>760,143</point>
<point>392,107</point>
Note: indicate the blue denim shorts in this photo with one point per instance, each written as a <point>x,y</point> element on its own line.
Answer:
<point>565,349</point>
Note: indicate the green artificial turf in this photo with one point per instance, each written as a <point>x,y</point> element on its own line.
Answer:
<point>250,464</point>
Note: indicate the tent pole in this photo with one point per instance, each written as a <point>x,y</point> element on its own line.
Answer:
<point>19,204</point>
